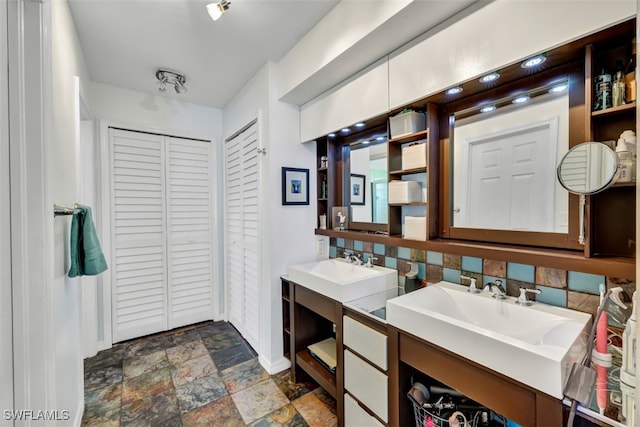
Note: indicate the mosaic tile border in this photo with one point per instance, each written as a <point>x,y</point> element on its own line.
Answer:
<point>563,288</point>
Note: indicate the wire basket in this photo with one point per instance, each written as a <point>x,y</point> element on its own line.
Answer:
<point>425,417</point>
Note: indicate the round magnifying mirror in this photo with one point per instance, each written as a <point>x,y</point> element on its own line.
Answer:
<point>588,168</point>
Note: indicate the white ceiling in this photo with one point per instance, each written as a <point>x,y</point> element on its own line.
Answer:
<point>126,41</point>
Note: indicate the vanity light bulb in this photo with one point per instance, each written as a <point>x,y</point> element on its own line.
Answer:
<point>487,109</point>
<point>559,88</point>
<point>345,130</point>
<point>489,78</point>
<point>521,99</point>
<point>533,62</point>
<point>332,135</point>
<point>359,125</point>
<point>454,90</point>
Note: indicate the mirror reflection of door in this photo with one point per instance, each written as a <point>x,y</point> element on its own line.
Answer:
<point>519,163</point>
<point>379,211</point>
<point>504,167</point>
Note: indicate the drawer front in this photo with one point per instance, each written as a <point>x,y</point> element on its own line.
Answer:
<point>366,341</point>
<point>367,384</point>
<point>354,415</point>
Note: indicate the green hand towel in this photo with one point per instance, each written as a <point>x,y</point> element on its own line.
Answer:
<point>86,254</point>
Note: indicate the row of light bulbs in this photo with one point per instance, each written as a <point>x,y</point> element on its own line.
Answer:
<point>493,76</point>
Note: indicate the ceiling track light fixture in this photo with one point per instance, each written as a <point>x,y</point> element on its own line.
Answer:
<point>216,9</point>
<point>172,78</point>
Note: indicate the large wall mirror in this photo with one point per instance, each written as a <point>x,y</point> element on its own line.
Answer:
<point>368,182</point>
<point>504,160</point>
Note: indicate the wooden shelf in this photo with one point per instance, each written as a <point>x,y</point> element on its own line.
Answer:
<point>410,137</point>
<point>323,169</point>
<point>614,110</point>
<point>409,204</point>
<point>623,184</point>
<point>408,171</point>
<point>319,373</point>
<point>322,199</point>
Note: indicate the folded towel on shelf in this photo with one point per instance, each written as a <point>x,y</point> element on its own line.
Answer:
<point>87,258</point>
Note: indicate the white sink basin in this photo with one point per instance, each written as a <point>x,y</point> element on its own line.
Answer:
<point>535,345</point>
<point>342,281</point>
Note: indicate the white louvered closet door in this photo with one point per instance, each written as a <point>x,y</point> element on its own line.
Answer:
<point>139,279</point>
<point>190,231</point>
<point>162,234</point>
<point>243,258</point>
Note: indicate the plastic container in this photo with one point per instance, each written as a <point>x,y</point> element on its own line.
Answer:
<point>404,192</point>
<point>415,227</point>
<point>626,153</point>
<point>407,123</point>
<point>414,156</point>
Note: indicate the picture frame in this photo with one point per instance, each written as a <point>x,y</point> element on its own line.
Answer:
<point>295,186</point>
<point>357,189</point>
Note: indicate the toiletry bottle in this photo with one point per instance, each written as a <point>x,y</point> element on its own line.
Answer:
<point>602,91</point>
<point>618,87</point>
<point>625,161</point>
<point>630,74</point>
<point>629,137</point>
<point>629,344</point>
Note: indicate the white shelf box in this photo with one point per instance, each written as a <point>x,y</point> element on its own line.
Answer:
<point>407,123</point>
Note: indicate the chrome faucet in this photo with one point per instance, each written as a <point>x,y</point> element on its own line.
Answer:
<point>355,258</point>
<point>496,289</point>
<point>472,284</point>
<point>370,260</point>
<point>522,299</point>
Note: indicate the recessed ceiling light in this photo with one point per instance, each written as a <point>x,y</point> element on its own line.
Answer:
<point>521,99</point>
<point>559,88</point>
<point>380,138</point>
<point>345,130</point>
<point>332,135</point>
<point>359,125</point>
<point>489,77</point>
<point>366,142</point>
<point>454,90</point>
<point>533,62</point>
<point>487,108</point>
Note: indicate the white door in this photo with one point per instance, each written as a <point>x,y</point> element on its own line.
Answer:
<point>190,231</point>
<point>139,276</point>
<point>518,163</point>
<point>242,237</point>
<point>162,232</point>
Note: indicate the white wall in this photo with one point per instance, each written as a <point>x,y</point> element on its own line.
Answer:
<point>287,231</point>
<point>6,341</point>
<point>67,61</point>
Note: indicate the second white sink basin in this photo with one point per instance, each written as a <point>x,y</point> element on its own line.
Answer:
<point>342,281</point>
<point>535,345</point>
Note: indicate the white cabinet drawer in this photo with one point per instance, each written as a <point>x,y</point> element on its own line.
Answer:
<point>367,384</point>
<point>365,341</point>
<point>354,415</point>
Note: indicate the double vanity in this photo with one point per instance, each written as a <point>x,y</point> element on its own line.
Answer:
<point>510,358</point>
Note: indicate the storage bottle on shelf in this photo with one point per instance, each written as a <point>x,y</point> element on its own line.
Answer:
<point>603,86</point>
<point>618,87</point>
<point>630,74</point>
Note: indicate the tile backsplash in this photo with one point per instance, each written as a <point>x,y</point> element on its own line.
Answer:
<point>571,289</point>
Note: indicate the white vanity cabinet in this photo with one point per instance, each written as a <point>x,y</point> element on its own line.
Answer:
<point>366,383</point>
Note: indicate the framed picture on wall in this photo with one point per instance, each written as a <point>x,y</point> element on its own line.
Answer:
<point>295,186</point>
<point>357,189</point>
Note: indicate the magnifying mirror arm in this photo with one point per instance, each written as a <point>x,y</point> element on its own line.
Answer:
<point>582,225</point>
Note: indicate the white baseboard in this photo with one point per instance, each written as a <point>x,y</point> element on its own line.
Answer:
<point>274,367</point>
<point>77,422</point>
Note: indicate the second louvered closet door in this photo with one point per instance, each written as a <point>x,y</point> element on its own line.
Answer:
<point>162,233</point>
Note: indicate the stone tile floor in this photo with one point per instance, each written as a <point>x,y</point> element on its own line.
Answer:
<point>205,374</point>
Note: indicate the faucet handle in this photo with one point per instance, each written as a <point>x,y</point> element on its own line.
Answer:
<point>370,261</point>
<point>347,256</point>
<point>523,300</point>
<point>473,288</point>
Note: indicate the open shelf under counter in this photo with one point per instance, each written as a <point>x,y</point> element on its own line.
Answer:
<point>319,373</point>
